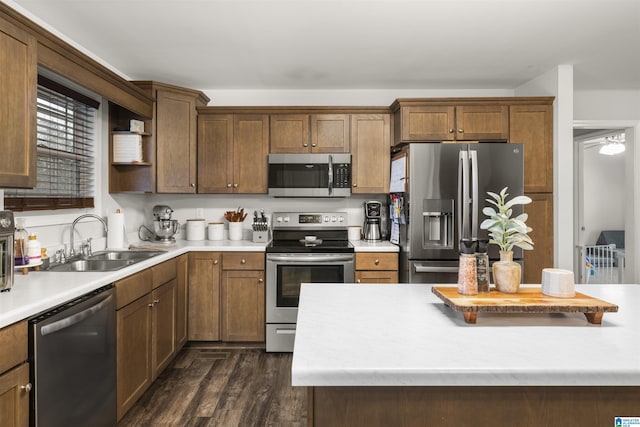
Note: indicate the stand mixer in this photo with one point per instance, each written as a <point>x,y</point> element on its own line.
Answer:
<point>164,228</point>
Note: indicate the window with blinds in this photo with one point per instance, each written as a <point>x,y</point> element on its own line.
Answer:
<point>65,152</point>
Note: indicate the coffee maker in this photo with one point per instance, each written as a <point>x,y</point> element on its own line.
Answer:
<point>372,228</point>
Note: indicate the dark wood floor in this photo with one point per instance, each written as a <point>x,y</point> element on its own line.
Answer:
<point>222,387</point>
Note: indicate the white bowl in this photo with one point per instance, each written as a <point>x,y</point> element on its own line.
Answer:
<point>557,282</point>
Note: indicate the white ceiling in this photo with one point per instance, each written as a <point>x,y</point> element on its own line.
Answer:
<point>353,44</point>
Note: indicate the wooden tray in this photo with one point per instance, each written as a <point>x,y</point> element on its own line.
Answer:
<point>527,300</point>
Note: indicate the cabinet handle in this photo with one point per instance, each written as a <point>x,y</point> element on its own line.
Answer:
<point>150,305</point>
<point>193,185</point>
<point>451,130</point>
<point>243,261</point>
<point>215,262</point>
<point>305,145</point>
<point>355,185</point>
<point>460,130</point>
<point>376,262</point>
<point>313,145</point>
<point>260,280</point>
<point>358,281</point>
<point>229,185</point>
<point>156,301</point>
<point>235,185</point>
<point>27,387</point>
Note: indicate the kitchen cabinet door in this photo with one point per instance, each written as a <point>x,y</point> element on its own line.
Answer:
<point>427,123</point>
<point>215,153</point>
<point>532,125</point>
<point>540,212</point>
<point>175,142</point>
<point>370,160</point>
<point>18,86</point>
<point>14,397</point>
<point>182,301</point>
<point>250,151</point>
<point>330,133</point>
<point>134,373</point>
<point>482,123</point>
<point>163,321</point>
<point>243,305</point>
<point>204,296</point>
<point>289,133</point>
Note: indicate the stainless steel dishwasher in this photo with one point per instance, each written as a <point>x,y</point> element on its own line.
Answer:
<point>72,350</point>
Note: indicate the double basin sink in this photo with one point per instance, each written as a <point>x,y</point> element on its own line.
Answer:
<point>105,261</point>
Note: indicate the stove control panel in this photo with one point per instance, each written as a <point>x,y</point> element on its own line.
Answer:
<point>300,219</point>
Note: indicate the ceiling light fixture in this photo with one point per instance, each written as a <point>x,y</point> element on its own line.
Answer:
<point>613,145</point>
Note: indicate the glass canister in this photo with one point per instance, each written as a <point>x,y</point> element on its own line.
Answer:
<point>467,276</point>
<point>482,266</point>
<point>21,237</point>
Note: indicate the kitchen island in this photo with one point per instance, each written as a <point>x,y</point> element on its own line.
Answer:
<point>396,355</point>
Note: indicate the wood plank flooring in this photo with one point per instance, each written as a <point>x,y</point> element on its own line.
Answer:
<point>222,387</point>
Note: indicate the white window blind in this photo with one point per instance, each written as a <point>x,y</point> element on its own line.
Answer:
<point>65,152</point>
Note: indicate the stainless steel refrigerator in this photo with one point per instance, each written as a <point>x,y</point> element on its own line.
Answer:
<point>444,189</point>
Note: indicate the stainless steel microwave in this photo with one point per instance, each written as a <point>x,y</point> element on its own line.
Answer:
<point>310,175</point>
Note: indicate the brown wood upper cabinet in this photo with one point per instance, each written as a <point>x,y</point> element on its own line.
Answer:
<point>532,125</point>
<point>309,133</point>
<point>232,153</point>
<point>436,121</point>
<point>18,86</point>
<point>174,129</point>
<point>370,153</point>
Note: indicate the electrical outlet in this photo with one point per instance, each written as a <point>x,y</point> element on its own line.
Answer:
<point>200,213</point>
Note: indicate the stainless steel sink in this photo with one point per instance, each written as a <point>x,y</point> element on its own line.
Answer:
<point>105,261</point>
<point>92,265</point>
<point>124,255</point>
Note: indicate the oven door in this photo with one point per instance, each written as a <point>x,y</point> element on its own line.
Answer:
<point>286,272</point>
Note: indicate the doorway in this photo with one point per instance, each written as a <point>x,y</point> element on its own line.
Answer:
<point>604,209</point>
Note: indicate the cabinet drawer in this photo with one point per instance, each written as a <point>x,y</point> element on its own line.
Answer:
<point>13,345</point>
<point>243,261</point>
<point>133,287</point>
<point>376,276</point>
<point>377,261</point>
<point>164,272</point>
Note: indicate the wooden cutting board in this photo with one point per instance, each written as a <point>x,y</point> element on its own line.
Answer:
<point>527,300</point>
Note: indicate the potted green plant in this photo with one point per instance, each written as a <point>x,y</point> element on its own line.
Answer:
<point>507,232</point>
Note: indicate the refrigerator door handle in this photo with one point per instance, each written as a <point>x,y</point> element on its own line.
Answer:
<point>463,195</point>
<point>475,205</point>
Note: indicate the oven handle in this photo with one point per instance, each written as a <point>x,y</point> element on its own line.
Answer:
<point>313,258</point>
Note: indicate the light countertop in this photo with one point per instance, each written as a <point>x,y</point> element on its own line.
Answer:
<point>40,291</point>
<point>391,335</point>
<point>382,246</point>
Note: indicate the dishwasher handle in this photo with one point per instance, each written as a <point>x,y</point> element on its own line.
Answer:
<point>74,318</point>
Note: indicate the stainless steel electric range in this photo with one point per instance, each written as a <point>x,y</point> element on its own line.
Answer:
<point>306,248</point>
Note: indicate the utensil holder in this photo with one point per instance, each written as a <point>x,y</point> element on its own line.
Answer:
<point>235,230</point>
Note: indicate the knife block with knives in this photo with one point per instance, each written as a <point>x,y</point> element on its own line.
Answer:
<point>260,227</point>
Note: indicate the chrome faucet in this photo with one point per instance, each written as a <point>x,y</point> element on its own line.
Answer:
<point>72,251</point>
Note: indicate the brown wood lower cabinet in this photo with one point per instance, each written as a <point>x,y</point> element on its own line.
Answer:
<point>242,304</point>
<point>540,212</point>
<point>377,267</point>
<point>14,376</point>
<point>204,296</point>
<point>146,330</point>
<point>182,300</point>
<point>226,296</point>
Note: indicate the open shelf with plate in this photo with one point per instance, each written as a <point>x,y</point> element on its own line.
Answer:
<point>136,176</point>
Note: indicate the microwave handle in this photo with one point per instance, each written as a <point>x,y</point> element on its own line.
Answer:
<point>330,174</point>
